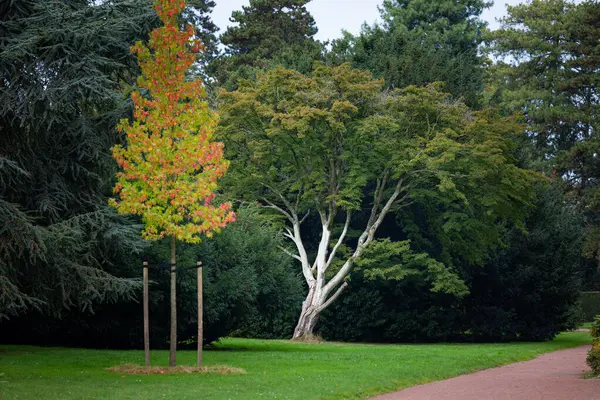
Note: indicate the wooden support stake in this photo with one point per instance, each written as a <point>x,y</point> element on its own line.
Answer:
<point>200,305</point>
<point>146,318</point>
<point>173,336</point>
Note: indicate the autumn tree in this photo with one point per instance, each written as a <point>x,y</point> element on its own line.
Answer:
<point>169,165</point>
<point>337,146</point>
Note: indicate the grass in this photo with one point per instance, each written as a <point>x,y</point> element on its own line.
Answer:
<point>275,369</point>
<point>586,325</point>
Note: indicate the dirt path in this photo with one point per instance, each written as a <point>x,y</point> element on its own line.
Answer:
<point>551,376</point>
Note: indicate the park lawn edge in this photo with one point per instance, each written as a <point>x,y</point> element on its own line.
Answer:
<point>381,376</point>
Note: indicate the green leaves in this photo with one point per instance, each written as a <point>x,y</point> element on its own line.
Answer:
<point>294,134</point>
<point>337,141</point>
<point>395,260</point>
<point>170,165</point>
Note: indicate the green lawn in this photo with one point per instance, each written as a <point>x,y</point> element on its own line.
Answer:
<point>275,369</point>
<point>586,325</point>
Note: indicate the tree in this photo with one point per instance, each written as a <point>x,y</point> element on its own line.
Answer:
<point>265,33</point>
<point>321,143</point>
<point>526,290</point>
<point>251,287</point>
<point>550,75</point>
<point>421,42</point>
<point>61,246</point>
<point>170,166</point>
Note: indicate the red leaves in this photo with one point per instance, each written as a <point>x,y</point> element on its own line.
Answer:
<point>170,167</point>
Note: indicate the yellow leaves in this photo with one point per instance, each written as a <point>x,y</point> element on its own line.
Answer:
<point>169,167</point>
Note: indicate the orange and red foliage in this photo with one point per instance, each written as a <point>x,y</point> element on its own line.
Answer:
<point>170,166</point>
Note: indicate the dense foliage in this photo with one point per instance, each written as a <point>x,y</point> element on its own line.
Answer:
<point>60,98</point>
<point>590,305</point>
<point>336,143</point>
<point>321,139</point>
<point>266,33</point>
<point>250,287</point>
<point>420,42</point>
<point>550,73</point>
<point>526,291</point>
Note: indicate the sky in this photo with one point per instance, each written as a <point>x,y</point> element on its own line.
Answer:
<point>332,16</point>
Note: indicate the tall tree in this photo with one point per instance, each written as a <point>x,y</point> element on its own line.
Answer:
<point>551,74</point>
<point>170,166</point>
<point>267,32</point>
<point>420,42</point>
<point>63,68</point>
<point>300,144</point>
<point>60,96</point>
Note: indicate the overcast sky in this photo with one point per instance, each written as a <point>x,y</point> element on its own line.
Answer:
<point>334,15</point>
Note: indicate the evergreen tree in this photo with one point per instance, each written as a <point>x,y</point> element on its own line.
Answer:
<point>420,42</point>
<point>267,33</point>
<point>63,69</point>
<point>551,75</point>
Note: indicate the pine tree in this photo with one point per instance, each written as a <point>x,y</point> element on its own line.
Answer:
<point>63,70</point>
<point>551,76</point>
<point>267,33</point>
<point>421,42</point>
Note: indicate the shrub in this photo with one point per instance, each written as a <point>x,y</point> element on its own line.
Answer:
<point>590,305</point>
<point>249,285</point>
<point>593,358</point>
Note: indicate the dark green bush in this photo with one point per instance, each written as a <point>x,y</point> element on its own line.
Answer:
<point>250,286</point>
<point>590,305</point>
<point>527,290</point>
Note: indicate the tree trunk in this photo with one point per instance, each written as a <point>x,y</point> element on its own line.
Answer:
<point>173,338</point>
<point>306,323</point>
<point>321,292</point>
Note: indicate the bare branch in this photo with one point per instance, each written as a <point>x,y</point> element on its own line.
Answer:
<point>340,240</point>
<point>298,200</point>
<point>303,256</point>
<point>289,253</point>
<point>377,196</point>
<point>334,296</point>
<point>385,209</point>
<point>289,234</point>
<point>303,218</point>
<point>279,209</point>
<point>363,241</point>
<point>282,197</point>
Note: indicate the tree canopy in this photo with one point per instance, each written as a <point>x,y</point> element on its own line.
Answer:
<point>60,96</point>
<point>550,75</point>
<point>266,33</point>
<point>334,143</point>
<point>421,42</point>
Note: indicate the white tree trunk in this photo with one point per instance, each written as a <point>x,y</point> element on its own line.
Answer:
<point>322,293</point>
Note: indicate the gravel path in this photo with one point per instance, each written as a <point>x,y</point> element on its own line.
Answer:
<point>550,376</point>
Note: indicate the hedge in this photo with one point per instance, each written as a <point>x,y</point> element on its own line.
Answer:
<point>590,305</point>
